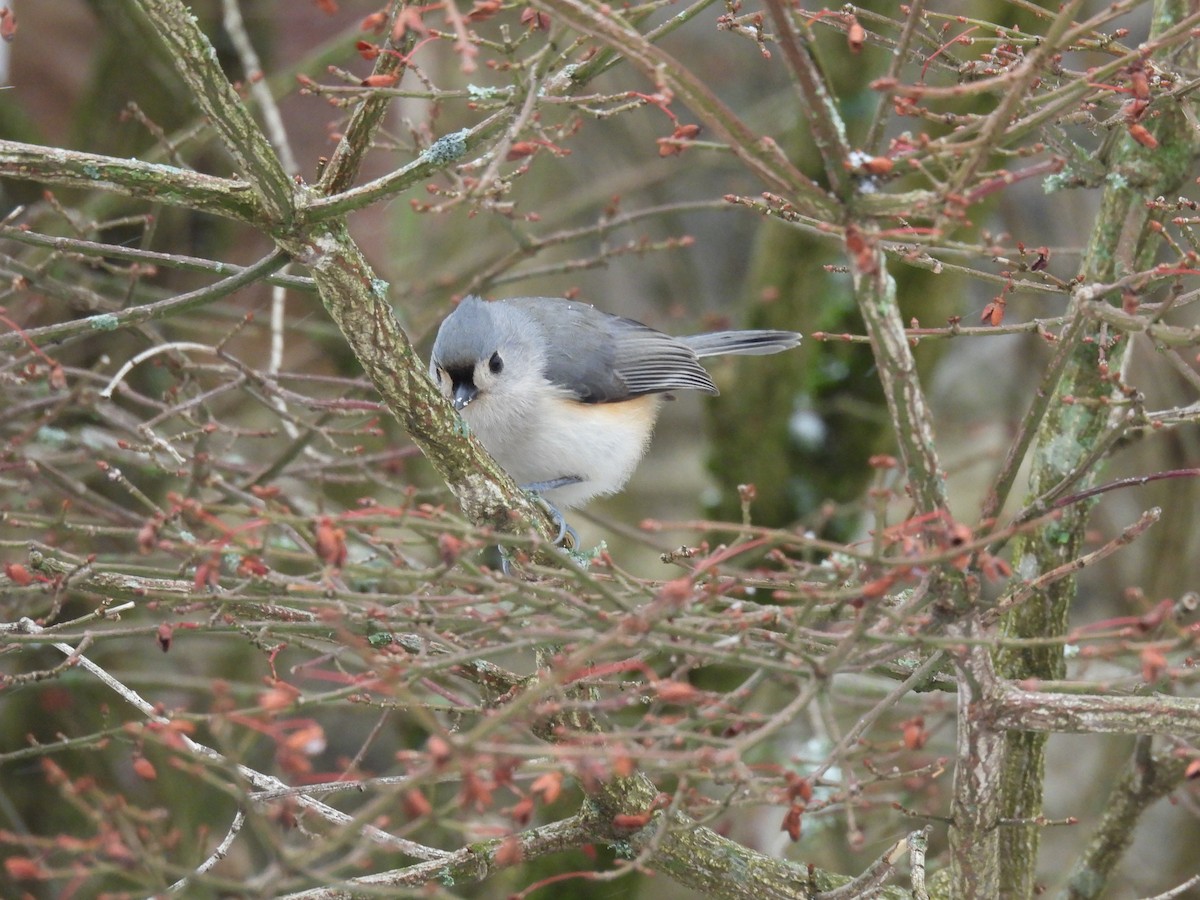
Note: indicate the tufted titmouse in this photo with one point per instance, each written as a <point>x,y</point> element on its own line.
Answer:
<point>564,396</point>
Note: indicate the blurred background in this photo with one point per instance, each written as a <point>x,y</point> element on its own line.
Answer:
<point>604,217</point>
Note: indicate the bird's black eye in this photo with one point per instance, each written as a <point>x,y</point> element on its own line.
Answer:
<point>496,364</point>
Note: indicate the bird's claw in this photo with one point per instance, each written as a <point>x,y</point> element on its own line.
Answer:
<point>540,487</point>
<point>564,527</point>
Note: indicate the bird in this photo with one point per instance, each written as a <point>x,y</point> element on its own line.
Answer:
<point>565,396</point>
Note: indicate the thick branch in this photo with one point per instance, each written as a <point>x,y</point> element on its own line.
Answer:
<point>196,61</point>
<point>134,178</point>
<point>977,802</point>
<point>828,131</point>
<point>1147,778</point>
<point>356,139</point>
<point>701,859</point>
<point>1018,710</point>
<point>1121,243</point>
<point>875,293</point>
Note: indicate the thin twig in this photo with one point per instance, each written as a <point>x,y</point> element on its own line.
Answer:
<point>868,883</point>
<point>218,854</point>
<point>67,331</point>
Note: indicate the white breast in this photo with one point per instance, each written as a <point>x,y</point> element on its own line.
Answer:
<point>554,438</point>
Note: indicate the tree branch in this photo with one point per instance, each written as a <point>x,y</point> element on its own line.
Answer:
<point>1148,777</point>
<point>196,62</point>
<point>760,155</point>
<point>153,182</point>
<point>1015,709</point>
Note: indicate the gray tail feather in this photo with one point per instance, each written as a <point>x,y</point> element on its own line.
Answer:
<point>752,343</point>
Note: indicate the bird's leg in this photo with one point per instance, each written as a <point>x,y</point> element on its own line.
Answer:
<point>564,529</point>
<point>538,487</point>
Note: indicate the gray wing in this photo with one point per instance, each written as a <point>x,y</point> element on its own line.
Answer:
<point>649,361</point>
<point>603,358</point>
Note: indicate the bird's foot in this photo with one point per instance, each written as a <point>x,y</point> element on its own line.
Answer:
<point>540,487</point>
<point>564,528</point>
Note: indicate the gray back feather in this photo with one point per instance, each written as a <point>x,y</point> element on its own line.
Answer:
<point>602,358</point>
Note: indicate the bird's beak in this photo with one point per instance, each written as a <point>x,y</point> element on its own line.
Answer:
<point>464,394</point>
